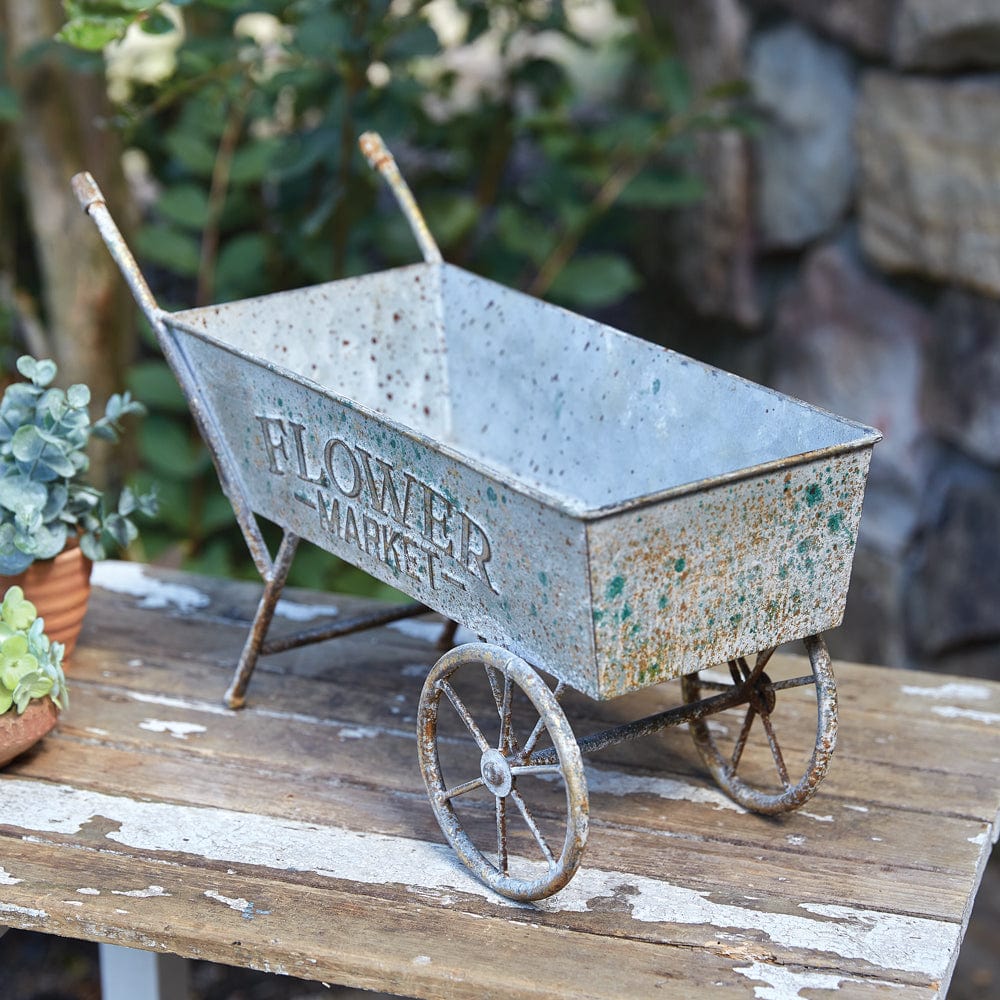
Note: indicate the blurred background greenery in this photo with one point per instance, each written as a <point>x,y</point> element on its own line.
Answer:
<point>539,139</point>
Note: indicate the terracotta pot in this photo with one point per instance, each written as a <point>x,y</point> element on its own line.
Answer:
<point>59,588</point>
<point>19,732</point>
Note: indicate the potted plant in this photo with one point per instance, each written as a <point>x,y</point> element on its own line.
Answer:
<point>52,524</point>
<point>32,684</point>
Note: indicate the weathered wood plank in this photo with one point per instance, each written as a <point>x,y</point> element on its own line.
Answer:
<point>413,945</point>
<point>309,805</point>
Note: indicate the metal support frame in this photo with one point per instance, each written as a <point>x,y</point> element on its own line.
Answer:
<point>130,974</point>
<point>274,572</point>
<point>739,694</point>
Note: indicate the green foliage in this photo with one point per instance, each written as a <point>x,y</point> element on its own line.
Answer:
<point>30,665</point>
<point>44,433</point>
<point>530,176</point>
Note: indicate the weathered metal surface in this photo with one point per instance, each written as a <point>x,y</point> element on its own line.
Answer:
<point>531,473</point>
<point>373,485</point>
<point>725,570</point>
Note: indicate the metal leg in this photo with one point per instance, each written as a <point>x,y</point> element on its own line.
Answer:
<point>447,637</point>
<point>235,695</point>
<point>128,974</point>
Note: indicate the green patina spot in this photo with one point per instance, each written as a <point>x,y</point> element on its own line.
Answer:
<point>626,612</point>
<point>615,588</point>
<point>636,628</point>
<point>491,494</point>
<point>741,598</point>
<point>679,565</point>
<point>534,611</point>
<point>543,579</point>
<point>783,573</point>
<point>835,521</point>
<point>734,620</point>
<point>656,386</point>
<point>814,493</point>
<point>805,544</point>
<point>663,602</point>
<point>503,498</point>
<point>598,615</point>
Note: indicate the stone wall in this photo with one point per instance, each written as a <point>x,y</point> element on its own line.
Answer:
<point>849,254</point>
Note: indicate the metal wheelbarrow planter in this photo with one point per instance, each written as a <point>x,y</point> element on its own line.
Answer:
<point>589,504</point>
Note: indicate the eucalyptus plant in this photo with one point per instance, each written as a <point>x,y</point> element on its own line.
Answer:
<point>30,665</point>
<point>44,433</point>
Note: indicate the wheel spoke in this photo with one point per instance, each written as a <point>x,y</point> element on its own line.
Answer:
<point>466,786</point>
<point>491,676</point>
<point>734,670</point>
<point>539,726</point>
<point>506,732</point>
<point>779,760</point>
<point>519,769</point>
<point>502,861</point>
<point>792,682</point>
<point>741,741</point>
<point>465,715</point>
<point>763,658</point>
<point>533,826</point>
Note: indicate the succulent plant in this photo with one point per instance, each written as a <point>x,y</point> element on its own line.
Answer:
<point>44,433</point>
<point>30,665</point>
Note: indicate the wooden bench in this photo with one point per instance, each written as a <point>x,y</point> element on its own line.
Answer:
<point>295,836</point>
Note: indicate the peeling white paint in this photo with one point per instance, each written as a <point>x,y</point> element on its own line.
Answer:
<point>130,578</point>
<point>23,911</point>
<point>883,939</point>
<point>857,809</point>
<point>212,707</point>
<point>72,902</point>
<point>819,819</point>
<point>606,782</point>
<point>7,879</point>
<point>980,839</point>
<point>179,730</point>
<point>428,632</point>
<point>89,892</point>
<point>787,984</point>
<point>422,960</point>
<point>360,732</point>
<point>148,893</point>
<point>953,690</point>
<point>94,731</point>
<point>239,905</point>
<point>795,839</point>
<point>296,612</point>
<point>953,712</point>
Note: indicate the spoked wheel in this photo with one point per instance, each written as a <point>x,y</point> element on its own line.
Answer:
<point>520,826</point>
<point>768,782</point>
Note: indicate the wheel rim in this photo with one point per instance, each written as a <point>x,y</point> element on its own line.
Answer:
<point>503,763</point>
<point>764,694</point>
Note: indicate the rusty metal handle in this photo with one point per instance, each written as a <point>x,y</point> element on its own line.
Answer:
<point>92,202</point>
<point>379,158</point>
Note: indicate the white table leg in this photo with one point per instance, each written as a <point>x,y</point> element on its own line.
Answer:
<point>130,974</point>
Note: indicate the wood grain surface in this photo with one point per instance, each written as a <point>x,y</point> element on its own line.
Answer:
<point>295,836</point>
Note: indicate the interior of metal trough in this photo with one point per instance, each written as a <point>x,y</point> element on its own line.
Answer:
<point>580,412</point>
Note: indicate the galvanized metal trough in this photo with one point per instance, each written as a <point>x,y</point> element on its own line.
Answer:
<point>609,512</point>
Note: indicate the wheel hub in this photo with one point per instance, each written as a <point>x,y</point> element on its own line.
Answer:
<point>496,774</point>
<point>765,693</point>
